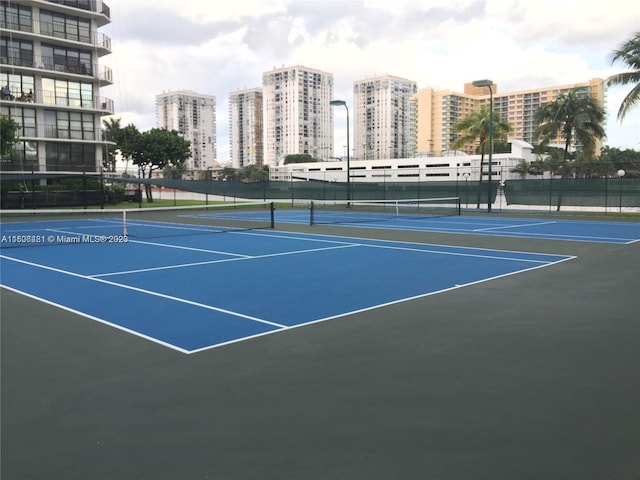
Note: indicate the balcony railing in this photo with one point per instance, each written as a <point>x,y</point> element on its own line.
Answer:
<point>102,73</point>
<point>60,133</point>
<point>96,39</point>
<point>49,97</point>
<point>97,6</point>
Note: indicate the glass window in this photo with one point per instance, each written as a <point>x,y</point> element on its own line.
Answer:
<point>75,126</point>
<point>72,28</point>
<point>58,26</point>
<point>86,94</point>
<point>62,124</point>
<point>84,31</point>
<point>29,122</point>
<point>49,91</point>
<point>70,157</point>
<point>61,93</point>
<point>15,17</point>
<point>87,126</point>
<point>74,94</point>
<point>66,59</point>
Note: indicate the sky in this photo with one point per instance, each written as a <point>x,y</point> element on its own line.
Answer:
<point>216,47</point>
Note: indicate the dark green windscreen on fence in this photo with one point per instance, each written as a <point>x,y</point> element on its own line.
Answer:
<point>311,190</point>
<point>588,192</point>
<point>21,190</point>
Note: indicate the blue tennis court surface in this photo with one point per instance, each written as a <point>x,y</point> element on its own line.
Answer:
<point>196,292</point>
<point>572,230</point>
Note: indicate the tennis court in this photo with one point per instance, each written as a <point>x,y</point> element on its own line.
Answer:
<point>443,215</point>
<point>222,344</point>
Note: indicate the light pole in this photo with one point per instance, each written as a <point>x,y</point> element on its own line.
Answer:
<point>466,176</point>
<point>488,83</point>
<point>621,173</point>
<point>335,103</point>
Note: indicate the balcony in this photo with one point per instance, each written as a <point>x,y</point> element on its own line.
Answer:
<point>55,132</point>
<point>45,98</point>
<point>98,40</point>
<point>98,8</point>
<point>104,75</point>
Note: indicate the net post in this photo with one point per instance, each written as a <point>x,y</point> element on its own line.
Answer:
<point>124,223</point>
<point>312,210</point>
<point>459,205</point>
<point>272,209</point>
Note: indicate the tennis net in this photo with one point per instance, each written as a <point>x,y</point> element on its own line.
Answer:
<point>22,228</point>
<point>371,211</point>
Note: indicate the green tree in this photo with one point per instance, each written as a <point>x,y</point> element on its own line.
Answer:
<point>298,158</point>
<point>614,159</point>
<point>475,128</point>
<point>9,129</point>
<point>572,116</point>
<point>524,168</point>
<point>125,139</point>
<point>156,149</point>
<point>229,174</point>
<point>629,55</point>
<point>111,133</point>
<point>254,173</point>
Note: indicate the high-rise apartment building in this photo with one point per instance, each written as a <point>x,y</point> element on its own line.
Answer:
<point>193,116</point>
<point>245,127</point>
<point>298,118</point>
<point>49,64</point>
<point>384,118</point>
<point>439,111</point>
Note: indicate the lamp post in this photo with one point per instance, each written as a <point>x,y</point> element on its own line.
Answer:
<point>621,173</point>
<point>488,83</point>
<point>336,103</point>
<point>466,176</point>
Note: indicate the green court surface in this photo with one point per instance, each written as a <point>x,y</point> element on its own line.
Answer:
<point>526,376</point>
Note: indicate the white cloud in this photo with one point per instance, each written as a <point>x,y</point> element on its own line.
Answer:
<point>216,48</point>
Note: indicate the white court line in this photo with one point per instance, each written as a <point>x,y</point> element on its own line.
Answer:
<point>99,320</point>
<point>372,241</point>
<point>514,226</point>
<point>211,262</point>
<point>373,307</point>
<point>459,254</point>
<point>193,249</point>
<point>147,292</point>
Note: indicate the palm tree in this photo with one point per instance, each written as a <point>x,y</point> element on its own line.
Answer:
<point>574,117</point>
<point>629,54</point>
<point>475,128</point>
<point>524,168</point>
<point>111,133</point>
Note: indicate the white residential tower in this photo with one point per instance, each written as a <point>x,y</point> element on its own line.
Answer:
<point>298,118</point>
<point>384,118</point>
<point>193,116</point>
<point>245,128</point>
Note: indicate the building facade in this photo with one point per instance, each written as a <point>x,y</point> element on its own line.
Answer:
<point>245,128</point>
<point>193,116</point>
<point>439,111</point>
<point>384,118</point>
<point>298,118</point>
<point>51,78</point>
<point>452,167</point>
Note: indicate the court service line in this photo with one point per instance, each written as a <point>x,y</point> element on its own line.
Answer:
<point>193,249</point>
<point>212,262</point>
<point>146,292</point>
<point>514,226</point>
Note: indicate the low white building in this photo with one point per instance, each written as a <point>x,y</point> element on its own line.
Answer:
<point>450,167</point>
